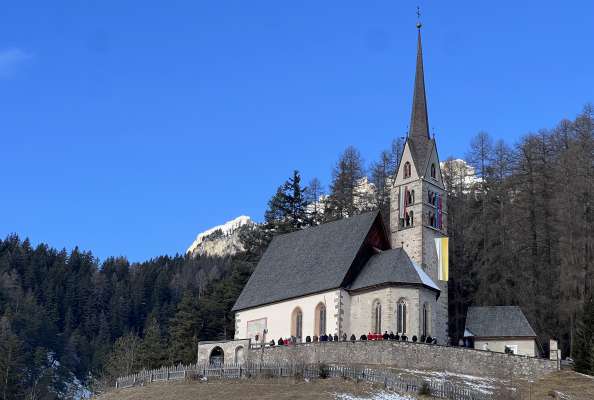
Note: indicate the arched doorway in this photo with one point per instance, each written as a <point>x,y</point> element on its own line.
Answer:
<point>239,355</point>
<point>217,356</point>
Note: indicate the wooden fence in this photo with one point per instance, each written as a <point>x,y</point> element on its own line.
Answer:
<point>389,380</point>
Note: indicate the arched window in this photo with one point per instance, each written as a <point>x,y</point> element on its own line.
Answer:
<point>239,355</point>
<point>406,170</point>
<point>297,324</point>
<point>432,219</point>
<point>412,197</point>
<point>401,316</point>
<point>320,322</point>
<point>411,215</point>
<point>425,321</point>
<point>377,317</point>
<point>433,171</point>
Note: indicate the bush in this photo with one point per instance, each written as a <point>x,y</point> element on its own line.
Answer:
<point>425,390</point>
<point>414,338</point>
<point>324,371</point>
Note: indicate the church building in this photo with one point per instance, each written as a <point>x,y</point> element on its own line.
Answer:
<point>356,275</point>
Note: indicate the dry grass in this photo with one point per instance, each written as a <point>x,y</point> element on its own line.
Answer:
<point>265,389</point>
<point>562,384</point>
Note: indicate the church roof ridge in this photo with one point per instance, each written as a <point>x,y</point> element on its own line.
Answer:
<point>307,261</point>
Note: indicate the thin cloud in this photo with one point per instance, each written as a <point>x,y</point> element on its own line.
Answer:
<point>11,60</point>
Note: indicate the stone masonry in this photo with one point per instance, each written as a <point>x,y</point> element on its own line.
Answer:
<point>411,356</point>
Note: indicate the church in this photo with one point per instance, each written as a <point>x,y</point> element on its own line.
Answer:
<point>356,275</point>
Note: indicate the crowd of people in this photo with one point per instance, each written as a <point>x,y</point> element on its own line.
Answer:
<point>344,338</point>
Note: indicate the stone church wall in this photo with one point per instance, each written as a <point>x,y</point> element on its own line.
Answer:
<point>362,317</point>
<point>411,356</point>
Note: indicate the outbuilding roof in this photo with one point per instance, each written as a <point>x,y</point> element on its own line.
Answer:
<point>497,321</point>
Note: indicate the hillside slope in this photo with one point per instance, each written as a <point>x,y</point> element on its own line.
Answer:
<point>269,389</point>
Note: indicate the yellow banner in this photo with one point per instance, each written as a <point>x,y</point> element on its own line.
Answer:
<point>442,245</point>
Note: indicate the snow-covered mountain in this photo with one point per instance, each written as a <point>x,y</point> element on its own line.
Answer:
<point>220,240</point>
<point>464,174</point>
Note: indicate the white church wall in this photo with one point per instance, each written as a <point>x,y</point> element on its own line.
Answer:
<point>278,316</point>
<point>524,347</point>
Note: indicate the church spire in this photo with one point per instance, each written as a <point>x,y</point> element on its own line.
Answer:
<point>419,123</point>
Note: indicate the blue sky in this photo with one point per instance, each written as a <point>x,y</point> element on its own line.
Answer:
<point>127,127</point>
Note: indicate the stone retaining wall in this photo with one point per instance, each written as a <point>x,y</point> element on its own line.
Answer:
<point>411,356</point>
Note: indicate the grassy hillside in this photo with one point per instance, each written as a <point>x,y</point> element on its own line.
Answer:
<point>561,385</point>
<point>269,389</point>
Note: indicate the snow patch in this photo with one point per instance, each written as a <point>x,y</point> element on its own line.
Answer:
<point>383,395</point>
<point>220,240</point>
<point>481,384</point>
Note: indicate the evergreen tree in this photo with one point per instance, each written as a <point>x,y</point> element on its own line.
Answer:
<point>584,344</point>
<point>184,330</point>
<point>287,210</point>
<point>152,348</point>
<point>12,363</point>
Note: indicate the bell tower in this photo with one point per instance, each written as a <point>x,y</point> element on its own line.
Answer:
<point>418,212</point>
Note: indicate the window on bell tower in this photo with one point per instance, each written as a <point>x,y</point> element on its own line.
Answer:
<point>406,170</point>
<point>433,172</point>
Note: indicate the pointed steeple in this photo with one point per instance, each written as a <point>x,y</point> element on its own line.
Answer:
<point>419,122</point>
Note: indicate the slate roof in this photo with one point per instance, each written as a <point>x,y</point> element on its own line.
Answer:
<point>391,266</point>
<point>306,262</point>
<point>497,321</point>
<point>419,140</point>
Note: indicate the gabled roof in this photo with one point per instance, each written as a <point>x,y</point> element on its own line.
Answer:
<point>392,266</point>
<point>308,261</point>
<point>497,321</point>
<point>420,149</point>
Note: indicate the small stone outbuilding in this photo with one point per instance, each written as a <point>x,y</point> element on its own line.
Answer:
<point>501,329</point>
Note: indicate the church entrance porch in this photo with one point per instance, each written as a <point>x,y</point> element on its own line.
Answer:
<point>223,351</point>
